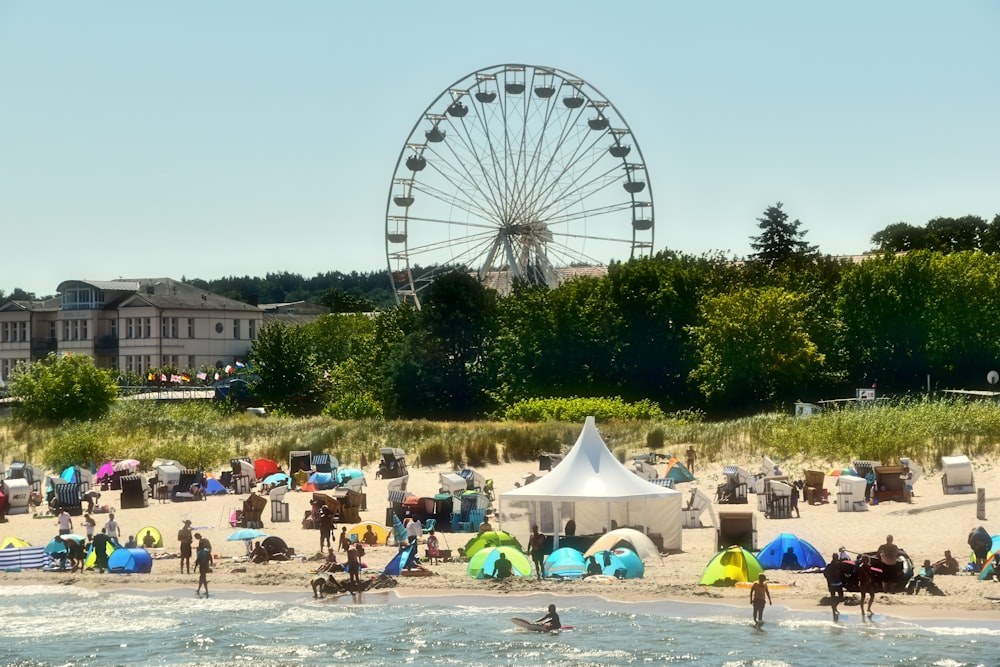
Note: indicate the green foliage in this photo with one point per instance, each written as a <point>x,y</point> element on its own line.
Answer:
<point>754,343</point>
<point>287,374</point>
<point>577,409</point>
<point>780,241</point>
<point>62,387</point>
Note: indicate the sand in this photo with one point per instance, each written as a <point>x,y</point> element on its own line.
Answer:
<point>925,528</point>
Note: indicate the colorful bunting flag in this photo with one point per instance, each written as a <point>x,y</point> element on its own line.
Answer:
<point>202,375</point>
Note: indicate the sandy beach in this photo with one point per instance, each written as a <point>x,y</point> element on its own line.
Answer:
<point>925,528</point>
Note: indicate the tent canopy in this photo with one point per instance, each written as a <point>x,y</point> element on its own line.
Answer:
<point>678,472</point>
<point>565,562</point>
<point>483,564</point>
<point>641,544</point>
<point>140,537</point>
<point>730,566</point>
<point>130,561</point>
<point>597,491</point>
<point>490,538</point>
<point>773,556</point>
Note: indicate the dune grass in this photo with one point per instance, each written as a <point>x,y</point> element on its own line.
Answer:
<point>200,435</point>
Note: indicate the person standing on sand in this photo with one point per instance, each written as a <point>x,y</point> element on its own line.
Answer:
<point>100,546</point>
<point>759,594</point>
<point>691,457</point>
<point>536,547</point>
<point>353,565</point>
<point>888,553</point>
<point>866,584</point>
<point>89,525</point>
<point>185,538</point>
<point>112,528</point>
<point>65,523</point>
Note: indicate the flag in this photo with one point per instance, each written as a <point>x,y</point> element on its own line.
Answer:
<point>150,376</point>
<point>163,377</point>
<point>202,375</point>
<point>217,376</point>
<point>228,368</point>
<point>240,364</point>
<point>175,378</point>
<point>185,377</point>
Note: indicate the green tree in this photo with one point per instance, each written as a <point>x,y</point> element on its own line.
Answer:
<point>285,370</point>
<point>62,387</point>
<point>753,347</point>
<point>437,370</point>
<point>779,241</point>
<point>899,237</point>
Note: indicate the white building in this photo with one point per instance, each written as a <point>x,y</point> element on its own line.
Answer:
<point>134,325</point>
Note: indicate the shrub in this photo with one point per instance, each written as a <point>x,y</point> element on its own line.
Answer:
<point>577,409</point>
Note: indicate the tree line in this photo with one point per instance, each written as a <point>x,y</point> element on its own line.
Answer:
<point>705,332</point>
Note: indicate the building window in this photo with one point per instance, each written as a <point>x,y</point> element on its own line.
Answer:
<point>253,329</point>
<point>149,362</point>
<point>5,334</point>
<point>149,327</point>
<point>191,363</point>
<point>52,330</point>
<point>236,329</point>
<point>173,328</point>
<point>114,329</point>
<point>65,330</point>
<point>84,330</point>
<point>190,327</point>
<point>163,327</point>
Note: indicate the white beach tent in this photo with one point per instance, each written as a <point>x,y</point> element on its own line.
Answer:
<point>597,491</point>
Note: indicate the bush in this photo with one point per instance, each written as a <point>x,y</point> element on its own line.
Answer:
<point>62,387</point>
<point>577,409</point>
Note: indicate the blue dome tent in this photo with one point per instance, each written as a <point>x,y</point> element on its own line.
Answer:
<point>772,555</point>
<point>130,561</point>
<point>565,562</point>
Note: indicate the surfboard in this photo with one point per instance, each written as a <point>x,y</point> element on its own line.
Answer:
<point>525,624</point>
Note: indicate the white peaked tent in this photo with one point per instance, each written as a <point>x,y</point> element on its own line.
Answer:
<point>594,489</point>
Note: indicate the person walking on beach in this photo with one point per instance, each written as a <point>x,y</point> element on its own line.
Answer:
<point>89,525</point>
<point>345,541</point>
<point>185,538</point>
<point>325,527</point>
<point>100,546</point>
<point>834,574</point>
<point>204,564</point>
<point>866,584</point>
<point>759,594</point>
<point>870,480</point>
<point>536,547</point>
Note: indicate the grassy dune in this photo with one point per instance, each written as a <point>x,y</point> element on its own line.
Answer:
<point>202,436</point>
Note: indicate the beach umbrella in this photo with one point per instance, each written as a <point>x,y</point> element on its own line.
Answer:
<point>490,538</point>
<point>482,564</point>
<point>106,470</point>
<point>13,543</point>
<point>126,464</point>
<point>278,478</point>
<point>837,472</point>
<point>245,534</point>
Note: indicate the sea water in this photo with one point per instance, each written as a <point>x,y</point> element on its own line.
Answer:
<point>46,625</point>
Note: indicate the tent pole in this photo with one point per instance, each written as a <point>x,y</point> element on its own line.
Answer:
<point>557,520</point>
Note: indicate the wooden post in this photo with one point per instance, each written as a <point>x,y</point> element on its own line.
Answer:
<point>981,504</point>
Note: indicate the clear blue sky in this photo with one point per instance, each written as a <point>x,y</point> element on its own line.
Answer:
<point>208,139</point>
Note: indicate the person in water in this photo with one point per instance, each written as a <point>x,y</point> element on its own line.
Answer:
<point>759,594</point>
<point>551,619</point>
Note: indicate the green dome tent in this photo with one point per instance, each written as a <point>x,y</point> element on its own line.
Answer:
<point>481,565</point>
<point>730,566</point>
<point>490,538</point>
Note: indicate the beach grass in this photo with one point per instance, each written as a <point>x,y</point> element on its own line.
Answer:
<point>201,435</point>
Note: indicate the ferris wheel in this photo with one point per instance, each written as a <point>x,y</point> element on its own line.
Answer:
<point>519,174</point>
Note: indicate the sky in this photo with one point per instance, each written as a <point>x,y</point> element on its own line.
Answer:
<point>203,140</point>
